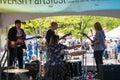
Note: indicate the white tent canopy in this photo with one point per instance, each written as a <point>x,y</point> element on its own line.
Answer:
<point>113,34</point>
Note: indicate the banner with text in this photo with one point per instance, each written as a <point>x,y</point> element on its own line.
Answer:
<point>55,6</point>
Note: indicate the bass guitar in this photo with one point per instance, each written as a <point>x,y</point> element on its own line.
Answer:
<point>20,41</point>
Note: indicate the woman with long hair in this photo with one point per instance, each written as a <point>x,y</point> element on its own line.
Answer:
<point>55,66</point>
<point>99,46</point>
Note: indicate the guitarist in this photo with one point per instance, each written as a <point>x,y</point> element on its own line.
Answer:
<point>99,46</point>
<point>16,44</point>
<point>51,32</point>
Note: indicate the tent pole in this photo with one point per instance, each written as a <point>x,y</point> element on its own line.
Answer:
<point>0,28</point>
<point>0,44</point>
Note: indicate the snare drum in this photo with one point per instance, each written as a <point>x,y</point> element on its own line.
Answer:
<point>73,67</point>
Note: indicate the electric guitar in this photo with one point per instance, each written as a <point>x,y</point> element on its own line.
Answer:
<point>65,36</point>
<point>20,41</point>
<point>84,34</point>
<point>33,37</point>
<point>92,41</point>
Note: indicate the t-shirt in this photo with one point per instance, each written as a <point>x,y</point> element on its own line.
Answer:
<point>101,37</point>
<point>49,34</point>
<point>19,33</point>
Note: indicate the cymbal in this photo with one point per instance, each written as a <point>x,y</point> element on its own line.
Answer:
<point>16,70</point>
<point>78,53</point>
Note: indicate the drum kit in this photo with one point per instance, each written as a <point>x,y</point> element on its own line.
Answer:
<point>12,73</point>
<point>74,67</point>
<point>15,74</point>
<point>16,70</point>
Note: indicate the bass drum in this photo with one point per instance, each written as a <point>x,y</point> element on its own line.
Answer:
<point>7,76</point>
<point>73,68</point>
<point>33,67</point>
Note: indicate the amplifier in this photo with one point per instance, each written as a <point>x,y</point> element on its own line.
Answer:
<point>109,72</point>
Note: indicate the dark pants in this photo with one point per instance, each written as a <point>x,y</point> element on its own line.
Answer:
<point>98,58</point>
<point>55,73</point>
<point>15,54</point>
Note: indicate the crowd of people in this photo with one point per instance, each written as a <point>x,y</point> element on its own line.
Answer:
<point>112,50</point>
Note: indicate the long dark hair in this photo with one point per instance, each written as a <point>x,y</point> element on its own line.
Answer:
<point>98,26</point>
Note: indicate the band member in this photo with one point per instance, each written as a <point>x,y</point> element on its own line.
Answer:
<point>99,45</point>
<point>16,44</point>
<point>51,31</point>
<point>55,67</point>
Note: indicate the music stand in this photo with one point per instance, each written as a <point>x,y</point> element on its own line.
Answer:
<point>84,58</point>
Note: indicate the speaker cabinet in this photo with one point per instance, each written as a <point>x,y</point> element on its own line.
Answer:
<point>109,72</point>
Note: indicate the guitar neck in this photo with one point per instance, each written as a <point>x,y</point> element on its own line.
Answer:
<point>84,34</point>
<point>89,38</point>
<point>65,36</point>
<point>30,38</point>
<point>33,37</point>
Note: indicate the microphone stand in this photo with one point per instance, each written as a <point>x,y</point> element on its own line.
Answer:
<point>84,65</point>
<point>40,59</point>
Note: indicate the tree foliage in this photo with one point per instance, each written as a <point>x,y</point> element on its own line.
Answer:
<point>74,24</point>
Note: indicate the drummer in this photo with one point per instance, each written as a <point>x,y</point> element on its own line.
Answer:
<point>55,64</point>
